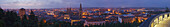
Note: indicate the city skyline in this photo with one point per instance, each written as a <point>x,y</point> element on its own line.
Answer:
<point>85,3</point>
<point>84,13</point>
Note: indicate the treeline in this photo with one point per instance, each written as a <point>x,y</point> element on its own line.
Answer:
<point>11,19</point>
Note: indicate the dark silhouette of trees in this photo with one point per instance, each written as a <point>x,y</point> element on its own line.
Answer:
<point>1,13</point>
<point>10,18</point>
<point>167,9</point>
<point>33,20</point>
<point>1,17</point>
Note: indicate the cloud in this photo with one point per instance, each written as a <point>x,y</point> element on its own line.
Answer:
<point>86,3</point>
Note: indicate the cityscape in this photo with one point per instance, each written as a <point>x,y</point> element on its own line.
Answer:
<point>83,16</point>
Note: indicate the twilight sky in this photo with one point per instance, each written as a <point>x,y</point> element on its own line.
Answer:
<point>85,3</point>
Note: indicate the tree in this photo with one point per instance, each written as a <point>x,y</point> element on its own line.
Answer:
<point>2,23</point>
<point>1,17</point>
<point>167,9</point>
<point>25,21</point>
<point>1,13</point>
<point>33,20</point>
<point>42,23</point>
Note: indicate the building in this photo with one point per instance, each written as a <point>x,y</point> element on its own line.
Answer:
<point>69,10</point>
<point>66,16</point>
<point>22,12</point>
<point>88,23</point>
<point>50,12</point>
<point>80,11</point>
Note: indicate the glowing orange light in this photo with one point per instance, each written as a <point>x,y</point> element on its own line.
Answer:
<point>106,20</point>
<point>139,20</point>
<point>44,21</point>
<point>89,17</point>
<point>113,11</point>
<point>84,13</point>
<point>74,21</point>
<point>107,17</point>
<point>145,18</point>
<point>55,15</point>
<point>124,10</point>
<point>83,16</point>
<point>143,12</point>
<point>120,14</point>
<point>109,9</point>
<point>117,13</point>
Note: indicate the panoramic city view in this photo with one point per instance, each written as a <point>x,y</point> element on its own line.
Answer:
<point>84,13</point>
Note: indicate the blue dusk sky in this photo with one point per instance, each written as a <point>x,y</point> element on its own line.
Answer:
<point>85,3</point>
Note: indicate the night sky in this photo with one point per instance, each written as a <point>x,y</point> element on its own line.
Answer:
<point>85,3</point>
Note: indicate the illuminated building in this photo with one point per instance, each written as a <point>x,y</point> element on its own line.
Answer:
<point>80,11</point>
<point>72,21</point>
<point>50,13</point>
<point>113,11</point>
<point>108,10</point>
<point>128,19</point>
<point>22,12</point>
<point>84,13</point>
<point>66,16</point>
<point>94,23</point>
<point>55,16</point>
<point>83,16</point>
<point>44,21</point>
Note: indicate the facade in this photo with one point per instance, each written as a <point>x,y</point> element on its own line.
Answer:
<point>87,23</point>
<point>22,12</point>
<point>66,16</point>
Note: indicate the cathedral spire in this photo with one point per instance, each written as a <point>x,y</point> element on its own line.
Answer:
<point>80,6</point>
<point>80,11</point>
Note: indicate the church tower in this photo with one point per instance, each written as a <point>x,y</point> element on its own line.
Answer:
<point>80,11</point>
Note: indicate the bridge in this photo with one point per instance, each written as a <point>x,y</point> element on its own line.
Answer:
<point>159,20</point>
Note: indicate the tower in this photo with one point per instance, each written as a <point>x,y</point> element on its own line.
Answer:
<point>21,12</point>
<point>69,10</point>
<point>66,16</point>
<point>80,11</point>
